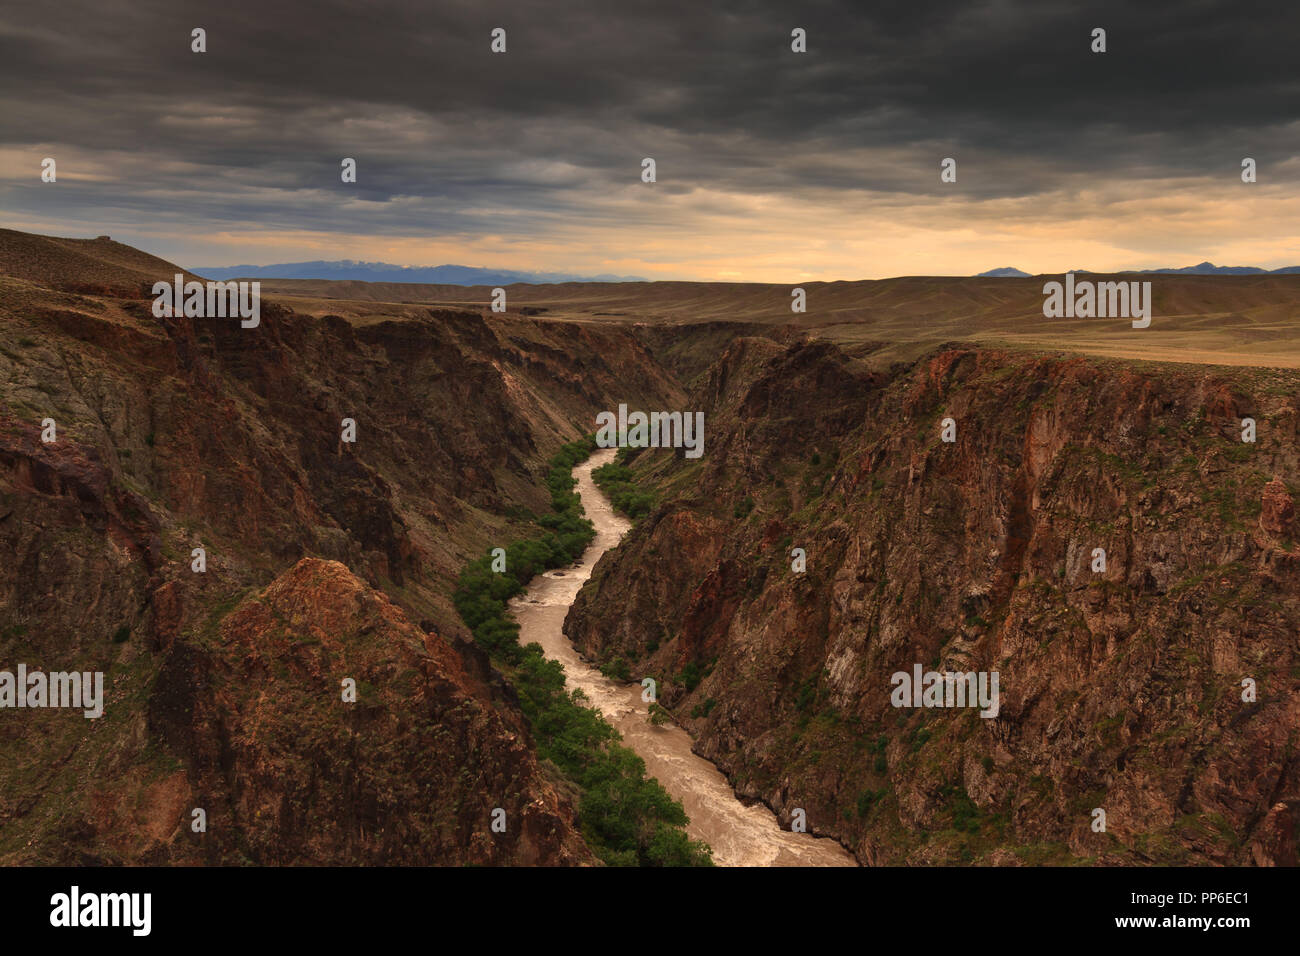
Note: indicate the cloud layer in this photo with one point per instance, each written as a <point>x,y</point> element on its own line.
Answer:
<point>771,165</point>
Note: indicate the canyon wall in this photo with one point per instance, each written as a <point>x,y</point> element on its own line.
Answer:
<point>324,560</point>
<point>1121,689</point>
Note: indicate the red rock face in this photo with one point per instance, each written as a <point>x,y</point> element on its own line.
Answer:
<point>1277,510</point>
<point>410,773</point>
<point>1121,689</point>
<point>1275,843</point>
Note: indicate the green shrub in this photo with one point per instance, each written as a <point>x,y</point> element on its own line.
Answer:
<point>616,480</point>
<point>690,676</point>
<point>616,669</point>
<point>704,709</point>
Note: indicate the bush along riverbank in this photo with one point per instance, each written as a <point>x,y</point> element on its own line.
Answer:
<point>627,818</point>
<point>616,480</point>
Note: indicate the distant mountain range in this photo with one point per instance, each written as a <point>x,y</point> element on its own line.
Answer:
<point>1006,272</point>
<point>347,269</point>
<point>1204,269</point>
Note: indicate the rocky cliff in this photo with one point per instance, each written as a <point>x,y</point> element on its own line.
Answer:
<point>319,556</point>
<point>1121,689</point>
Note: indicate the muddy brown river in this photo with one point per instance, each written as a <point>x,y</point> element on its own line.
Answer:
<point>740,834</point>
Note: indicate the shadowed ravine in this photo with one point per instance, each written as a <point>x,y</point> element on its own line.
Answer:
<point>740,835</point>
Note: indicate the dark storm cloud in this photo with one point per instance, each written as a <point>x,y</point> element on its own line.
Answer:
<point>252,132</point>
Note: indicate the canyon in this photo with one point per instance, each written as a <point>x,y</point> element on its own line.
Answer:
<point>1119,690</point>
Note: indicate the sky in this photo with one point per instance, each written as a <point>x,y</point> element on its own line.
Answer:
<point>771,165</point>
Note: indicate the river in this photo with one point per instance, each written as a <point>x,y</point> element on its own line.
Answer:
<point>740,834</point>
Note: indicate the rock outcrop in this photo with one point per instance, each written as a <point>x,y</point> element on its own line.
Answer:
<point>289,772</point>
